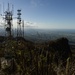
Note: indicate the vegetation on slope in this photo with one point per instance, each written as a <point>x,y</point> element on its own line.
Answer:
<point>27,58</point>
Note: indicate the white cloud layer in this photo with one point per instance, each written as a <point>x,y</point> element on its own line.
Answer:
<point>14,22</point>
<point>26,24</point>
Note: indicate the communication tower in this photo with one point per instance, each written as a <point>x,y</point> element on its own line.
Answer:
<point>8,21</point>
<point>19,34</point>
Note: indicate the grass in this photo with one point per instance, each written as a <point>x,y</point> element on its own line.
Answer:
<point>29,59</point>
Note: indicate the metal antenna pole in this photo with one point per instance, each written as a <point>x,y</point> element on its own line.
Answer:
<point>12,9</point>
<point>23,27</point>
<point>0,9</point>
<point>3,8</point>
<point>8,6</point>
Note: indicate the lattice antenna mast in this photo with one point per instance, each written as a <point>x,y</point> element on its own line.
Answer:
<point>3,9</point>
<point>8,20</point>
<point>12,9</point>
<point>19,23</point>
<point>0,9</point>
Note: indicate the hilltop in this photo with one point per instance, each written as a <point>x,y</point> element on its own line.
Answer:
<point>35,58</point>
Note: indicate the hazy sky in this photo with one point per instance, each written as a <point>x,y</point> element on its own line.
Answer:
<point>46,13</point>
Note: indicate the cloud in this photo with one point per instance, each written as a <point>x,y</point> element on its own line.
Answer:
<point>26,24</point>
<point>30,24</point>
<point>14,23</point>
